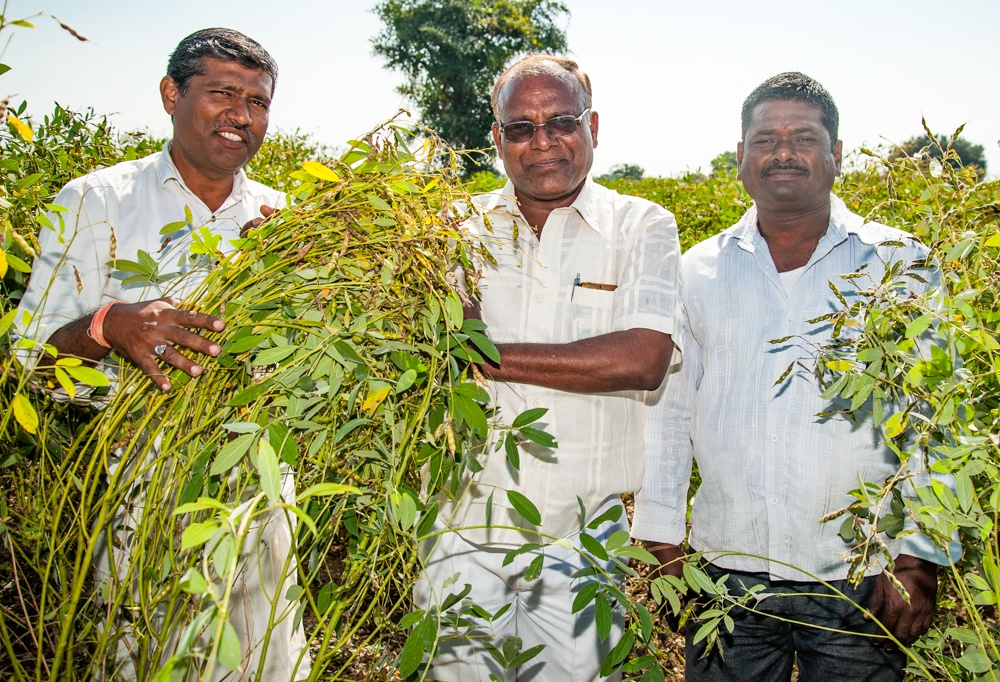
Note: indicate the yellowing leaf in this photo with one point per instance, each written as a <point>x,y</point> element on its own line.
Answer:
<point>21,127</point>
<point>3,264</point>
<point>894,425</point>
<point>375,399</point>
<point>24,413</point>
<point>320,171</point>
<point>839,365</point>
<point>994,240</point>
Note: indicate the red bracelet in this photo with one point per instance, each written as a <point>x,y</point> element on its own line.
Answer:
<point>96,330</point>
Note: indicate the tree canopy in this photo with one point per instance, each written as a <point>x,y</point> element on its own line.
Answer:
<point>451,52</point>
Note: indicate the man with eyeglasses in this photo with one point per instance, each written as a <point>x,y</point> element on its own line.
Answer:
<point>580,298</point>
<point>775,456</point>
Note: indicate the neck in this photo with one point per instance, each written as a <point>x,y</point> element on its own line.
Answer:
<point>212,190</point>
<point>536,211</point>
<point>792,237</point>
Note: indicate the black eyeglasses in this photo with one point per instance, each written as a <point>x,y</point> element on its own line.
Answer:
<point>559,126</point>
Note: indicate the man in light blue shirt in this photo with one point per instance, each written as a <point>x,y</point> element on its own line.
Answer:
<point>771,468</point>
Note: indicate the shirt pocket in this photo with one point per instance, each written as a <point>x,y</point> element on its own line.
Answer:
<point>590,312</point>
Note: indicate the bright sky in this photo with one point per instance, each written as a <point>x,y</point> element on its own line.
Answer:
<point>669,75</point>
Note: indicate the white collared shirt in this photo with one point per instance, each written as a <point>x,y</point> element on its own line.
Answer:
<point>113,214</point>
<point>770,467</point>
<point>529,296</point>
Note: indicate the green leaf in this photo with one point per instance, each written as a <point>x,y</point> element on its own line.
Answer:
<point>534,569</point>
<point>170,228</point>
<point>4,69</point>
<point>526,655</point>
<point>524,507</point>
<point>269,471</point>
<point>198,534</point>
<point>510,448</point>
<point>636,552</point>
<point>484,344</point>
<point>529,416</point>
<point>538,436</point>
<point>591,544</point>
<point>244,344</point>
<point>453,310</point>
<point>230,651</point>
<point>974,660</point>
<point>406,380</point>
<point>586,595</point>
<point>271,356</point>
<point>602,616</point>
<point>250,393</point>
<point>326,489</point>
<point>231,453</point>
<point>348,427</point>
<point>193,582</point>
<point>88,375</point>
<point>242,427</point>
<point>413,650</point>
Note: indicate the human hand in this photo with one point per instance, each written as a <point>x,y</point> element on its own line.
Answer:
<point>470,306</point>
<point>906,622</point>
<point>671,560</point>
<point>266,211</point>
<point>137,330</point>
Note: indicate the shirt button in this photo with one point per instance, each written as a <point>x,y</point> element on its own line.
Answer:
<point>536,403</point>
<point>774,500</point>
<point>539,298</point>
<point>774,438</point>
<point>788,316</point>
<point>536,462</point>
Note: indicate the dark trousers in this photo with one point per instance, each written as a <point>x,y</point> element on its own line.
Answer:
<point>764,646</point>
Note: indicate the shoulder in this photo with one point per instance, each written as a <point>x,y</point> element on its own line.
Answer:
<point>872,233</point>
<point>107,182</point>
<point>627,204</point>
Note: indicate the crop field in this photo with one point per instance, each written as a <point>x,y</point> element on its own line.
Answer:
<point>346,358</point>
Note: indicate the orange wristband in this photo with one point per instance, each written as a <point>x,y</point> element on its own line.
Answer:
<point>96,330</point>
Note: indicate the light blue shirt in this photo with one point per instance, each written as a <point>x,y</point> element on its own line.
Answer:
<point>770,467</point>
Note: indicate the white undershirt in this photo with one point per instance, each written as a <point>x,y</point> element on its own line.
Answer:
<point>791,278</point>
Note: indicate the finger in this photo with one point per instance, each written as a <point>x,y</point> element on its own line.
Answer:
<point>196,342</point>
<point>252,225</point>
<point>876,600</point>
<point>172,301</point>
<point>149,367</point>
<point>195,320</point>
<point>267,211</point>
<point>175,358</point>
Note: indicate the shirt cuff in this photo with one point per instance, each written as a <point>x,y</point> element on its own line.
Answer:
<point>656,522</point>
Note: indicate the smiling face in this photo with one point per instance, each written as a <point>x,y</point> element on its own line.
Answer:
<point>547,172</point>
<point>787,161</point>
<point>219,121</point>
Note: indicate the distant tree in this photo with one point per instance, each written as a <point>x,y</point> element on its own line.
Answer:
<point>451,52</point>
<point>724,162</point>
<point>969,154</point>
<point>627,171</point>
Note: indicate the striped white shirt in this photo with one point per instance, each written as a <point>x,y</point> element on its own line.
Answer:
<point>770,467</point>
<point>528,296</point>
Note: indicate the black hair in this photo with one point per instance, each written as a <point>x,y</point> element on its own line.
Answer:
<point>219,43</point>
<point>796,86</point>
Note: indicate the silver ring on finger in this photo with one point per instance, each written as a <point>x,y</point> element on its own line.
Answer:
<point>160,349</point>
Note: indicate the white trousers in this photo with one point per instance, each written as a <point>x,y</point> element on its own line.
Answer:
<point>265,571</point>
<point>541,610</point>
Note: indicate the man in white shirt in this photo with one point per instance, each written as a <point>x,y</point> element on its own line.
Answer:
<point>771,468</point>
<point>581,302</point>
<point>218,91</point>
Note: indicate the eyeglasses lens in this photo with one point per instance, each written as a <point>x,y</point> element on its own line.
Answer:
<point>560,126</point>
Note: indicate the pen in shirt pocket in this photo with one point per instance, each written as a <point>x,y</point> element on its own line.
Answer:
<point>590,285</point>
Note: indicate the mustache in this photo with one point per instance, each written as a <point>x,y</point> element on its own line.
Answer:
<point>778,167</point>
<point>243,128</point>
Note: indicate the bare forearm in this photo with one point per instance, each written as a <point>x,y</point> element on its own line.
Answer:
<point>72,339</point>
<point>635,359</point>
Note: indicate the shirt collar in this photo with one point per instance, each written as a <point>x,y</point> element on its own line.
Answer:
<point>167,171</point>
<point>842,224</point>
<point>586,203</point>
